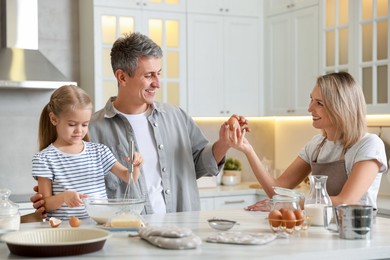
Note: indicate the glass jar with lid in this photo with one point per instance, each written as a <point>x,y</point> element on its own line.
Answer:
<point>286,215</point>
<point>9,213</point>
<point>287,198</point>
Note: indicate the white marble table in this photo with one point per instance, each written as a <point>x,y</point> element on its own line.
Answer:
<point>315,243</point>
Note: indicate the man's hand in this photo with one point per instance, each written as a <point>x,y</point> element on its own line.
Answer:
<point>38,203</point>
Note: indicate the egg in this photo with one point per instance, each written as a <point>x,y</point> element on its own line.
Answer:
<point>233,121</point>
<point>74,221</point>
<point>299,215</point>
<point>289,217</point>
<point>54,222</point>
<point>275,217</point>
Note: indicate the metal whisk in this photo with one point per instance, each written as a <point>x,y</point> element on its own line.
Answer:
<point>131,169</point>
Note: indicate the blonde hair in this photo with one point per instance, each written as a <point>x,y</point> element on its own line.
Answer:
<point>63,99</point>
<point>345,104</point>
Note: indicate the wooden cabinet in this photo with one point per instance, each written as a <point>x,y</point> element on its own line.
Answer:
<point>102,22</point>
<point>223,60</point>
<point>292,60</point>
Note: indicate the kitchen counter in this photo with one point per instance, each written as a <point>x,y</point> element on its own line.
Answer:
<point>243,188</point>
<point>314,243</point>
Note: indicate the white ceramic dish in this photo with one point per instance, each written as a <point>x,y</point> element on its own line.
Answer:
<point>51,242</point>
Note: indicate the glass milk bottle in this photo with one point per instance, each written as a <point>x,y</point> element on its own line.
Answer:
<point>9,213</point>
<point>317,199</point>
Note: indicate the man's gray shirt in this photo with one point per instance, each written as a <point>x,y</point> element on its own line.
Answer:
<point>184,154</point>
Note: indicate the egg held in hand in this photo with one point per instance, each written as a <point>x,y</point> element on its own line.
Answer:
<point>233,122</point>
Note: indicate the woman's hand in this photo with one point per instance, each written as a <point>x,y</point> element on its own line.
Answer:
<point>236,139</point>
<point>262,205</point>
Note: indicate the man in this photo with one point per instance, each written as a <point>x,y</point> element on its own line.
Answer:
<point>175,151</point>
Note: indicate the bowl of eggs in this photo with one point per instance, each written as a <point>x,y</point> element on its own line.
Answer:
<point>288,221</point>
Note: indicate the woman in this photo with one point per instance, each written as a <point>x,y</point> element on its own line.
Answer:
<point>351,158</point>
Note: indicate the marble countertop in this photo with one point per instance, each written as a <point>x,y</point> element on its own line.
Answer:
<point>314,243</point>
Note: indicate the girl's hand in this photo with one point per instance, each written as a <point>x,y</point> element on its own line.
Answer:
<point>73,198</point>
<point>262,205</point>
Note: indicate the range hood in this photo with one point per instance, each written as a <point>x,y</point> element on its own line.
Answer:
<point>22,65</point>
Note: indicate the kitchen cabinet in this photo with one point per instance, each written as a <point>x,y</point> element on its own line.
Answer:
<point>359,45</point>
<point>292,60</point>
<point>223,62</point>
<point>102,22</point>
<point>228,202</point>
<point>154,5</point>
<point>273,7</point>
<point>224,7</point>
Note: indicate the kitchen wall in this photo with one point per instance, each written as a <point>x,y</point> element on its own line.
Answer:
<point>20,108</point>
<point>280,139</point>
<point>277,140</point>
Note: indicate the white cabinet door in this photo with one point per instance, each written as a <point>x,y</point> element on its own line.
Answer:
<point>241,67</point>
<point>229,202</point>
<point>207,203</point>
<point>205,65</point>
<point>100,26</point>
<point>234,202</point>
<point>273,7</point>
<point>223,65</point>
<point>292,61</point>
<point>224,7</point>
<point>162,5</point>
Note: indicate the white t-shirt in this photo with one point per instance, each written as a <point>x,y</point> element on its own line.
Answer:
<point>368,148</point>
<point>148,149</point>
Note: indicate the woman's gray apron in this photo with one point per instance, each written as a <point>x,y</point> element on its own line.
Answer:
<point>336,172</point>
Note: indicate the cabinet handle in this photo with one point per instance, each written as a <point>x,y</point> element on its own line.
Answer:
<point>234,201</point>
<point>290,110</point>
<point>144,4</point>
<point>227,10</point>
<point>222,112</point>
<point>227,112</point>
<point>138,3</point>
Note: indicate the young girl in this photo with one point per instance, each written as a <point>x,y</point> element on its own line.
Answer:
<point>352,159</point>
<point>68,167</point>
